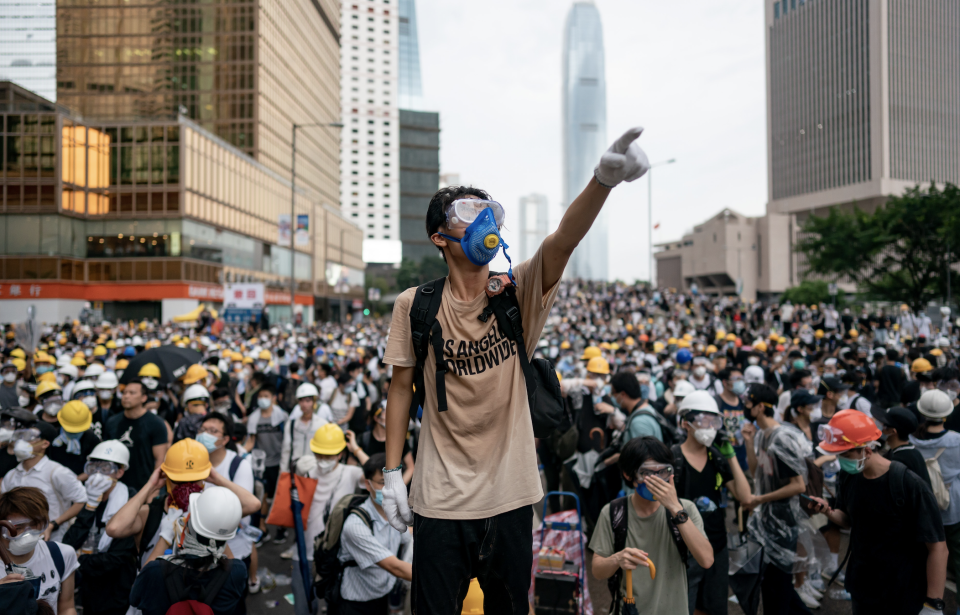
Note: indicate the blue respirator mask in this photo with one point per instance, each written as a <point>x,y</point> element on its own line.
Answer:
<point>481,240</point>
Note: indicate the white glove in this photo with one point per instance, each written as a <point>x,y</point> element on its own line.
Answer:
<point>305,464</point>
<point>395,504</point>
<point>96,486</point>
<point>623,162</point>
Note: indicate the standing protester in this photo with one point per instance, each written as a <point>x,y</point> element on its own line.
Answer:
<point>469,490</point>
<point>265,433</point>
<point>898,555</point>
<point>142,432</point>
<point>305,420</point>
<point>898,424</point>
<point>76,439</point>
<point>11,420</point>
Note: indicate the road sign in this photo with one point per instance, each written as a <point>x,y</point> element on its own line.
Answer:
<point>241,315</point>
<point>832,288</point>
<point>373,293</point>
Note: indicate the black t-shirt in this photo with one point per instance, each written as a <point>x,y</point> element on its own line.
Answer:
<point>75,463</point>
<point>784,471</point>
<point>887,569</point>
<point>140,436</point>
<point>909,456</point>
<point>891,381</point>
<point>910,393</point>
<point>708,482</point>
<point>7,462</point>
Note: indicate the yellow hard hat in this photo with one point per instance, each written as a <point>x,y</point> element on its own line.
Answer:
<point>854,333</point>
<point>175,338</point>
<point>236,356</point>
<point>782,340</point>
<point>658,346</point>
<point>18,353</point>
<point>614,346</point>
<point>247,360</point>
<point>711,349</point>
<point>564,345</point>
<point>62,340</point>
<point>186,461</point>
<point>341,352</point>
<point>818,334</point>
<point>687,337</point>
<point>347,341</point>
<point>730,337</point>
<point>590,352</point>
<point>78,361</point>
<point>896,327</point>
<point>629,341</point>
<point>265,355</point>
<point>46,386</point>
<point>150,370</point>
<point>720,334</point>
<point>473,603</point>
<point>42,357</point>
<point>936,352</point>
<point>100,351</point>
<point>683,344</point>
<point>328,440</point>
<point>598,365</point>
<point>121,364</point>
<point>605,345</point>
<point>796,341</point>
<point>629,327</point>
<point>920,365</point>
<point>760,346</point>
<point>142,326</point>
<point>75,417</point>
<point>195,373</point>
<point>672,341</point>
<point>48,377</point>
<point>111,345</point>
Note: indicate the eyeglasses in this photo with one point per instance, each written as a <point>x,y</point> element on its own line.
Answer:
<point>100,467</point>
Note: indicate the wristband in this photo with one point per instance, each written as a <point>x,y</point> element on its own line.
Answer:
<point>396,469</point>
<point>55,524</point>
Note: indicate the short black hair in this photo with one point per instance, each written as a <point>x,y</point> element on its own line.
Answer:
<point>269,387</point>
<point>893,355</point>
<point>637,451</point>
<point>797,376</point>
<point>727,372</point>
<point>444,196</point>
<point>376,463</point>
<point>626,382</point>
<point>343,378</point>
<point>139,381</point>
<point>223,418</point>
<point>220,392</point>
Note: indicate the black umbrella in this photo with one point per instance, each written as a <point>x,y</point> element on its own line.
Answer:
<point>173,362</point>
<point>746,559</point>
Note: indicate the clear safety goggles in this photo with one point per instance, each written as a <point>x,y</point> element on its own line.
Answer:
<point>703,420</point>
<point>465,211</point>
<point>662,471</point>
<point>20,525</point>
<point>84,393</point>
<point>97,466</point>
<point>829,434</point>
<point>28,434</point>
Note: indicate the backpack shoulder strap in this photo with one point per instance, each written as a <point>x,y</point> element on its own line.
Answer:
<point>939,452</point>
<point>209,593</point>
<point>234,466</point>
<point>364,516</point>
<point>57,557</point>
<point>424,328</point>
<point>898,476</point>
<point>619,523</point>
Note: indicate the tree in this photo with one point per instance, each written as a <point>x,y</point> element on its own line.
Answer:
<point>899,253</point>
<point>414,273</point>
<point>810,292</point>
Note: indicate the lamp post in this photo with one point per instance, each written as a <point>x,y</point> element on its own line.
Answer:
<point>653,282</point>
<point>293,203</point>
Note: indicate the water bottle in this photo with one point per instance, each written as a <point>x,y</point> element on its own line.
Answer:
<point>90,543</point>
<point>251,532</point>
<point>705,504</point>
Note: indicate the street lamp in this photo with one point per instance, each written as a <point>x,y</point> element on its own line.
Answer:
<point>293,203</point>
<point>650,212</point>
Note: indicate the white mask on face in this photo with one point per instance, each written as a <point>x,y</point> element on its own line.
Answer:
<point>23,450</point>
<point>816,414</point>
<point>24,542</point>
<point>90,401</point>
<point>23,400</point>
<point>10,377</point>
<point>753,360</point>
<point>952,395</point>
<point>326,465</point>
<point>699,371</point>
<point>705,436</point>
<point>105,394</point>
<point>263,403</point>
<point>150,383</point>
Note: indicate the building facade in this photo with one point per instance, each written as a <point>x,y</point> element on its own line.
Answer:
<point>534,218</point>
<point>150,218</point>
<point>584,129</point>
<point>410,89</point>
<point>370,145</point>
<point>419,179</point>
<point>28,45</point>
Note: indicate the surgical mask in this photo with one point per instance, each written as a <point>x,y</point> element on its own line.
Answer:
<point>753,360</point>
<point>23,400</point>
<point>24,542</point>
<point>43,369</point>
<point>150,383</point>
<point>644,391</point>
<point>261,365</point>
<point>208,440</point>
<point>23,450</point>
<point>739,387</point>
<point>10,377</point>
<point>644,492</point>
<point>817,413</point>
<point>378,497</point>
<point>852,466</point>
<point>90,401</point>
<point>52,407</point>
<point>699,371</point>
<point>326,465</point>
<point>247,372</point>
<point>705,436</point>
<point>105,394</point>
<point>481,241</point>
<point>264,402</point>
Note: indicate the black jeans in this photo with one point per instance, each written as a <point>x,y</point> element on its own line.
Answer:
<point>779,596</point>
<point>498,551</point>
<point>373,607</point>
<point>710,584</point>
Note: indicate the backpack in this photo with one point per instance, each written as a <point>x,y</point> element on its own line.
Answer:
<point>178,588</point>
<point>668,431</point>
<point>941,490</point>
<point>619,521</point>
<point>680,462</point>
<point>814,486</point>
<point>543,388</point>
<point>326,549</point>
<point>234,466</point>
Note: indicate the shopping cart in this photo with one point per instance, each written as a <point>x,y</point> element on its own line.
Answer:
<point>558,601</point>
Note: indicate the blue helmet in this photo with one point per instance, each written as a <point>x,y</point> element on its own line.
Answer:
<point>684,356</point>
<point>129,351</point>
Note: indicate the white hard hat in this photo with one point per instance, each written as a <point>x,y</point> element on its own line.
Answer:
<point>753,375</point>
<point>93,370</point>
<point>136,341</point>
<point>935,404</point>
<point>945,311</point>
<point>699,401</point>
<point>195,391</point>
<point>107,380</point>
<point>307,390</point>
<point>111,450</point>
<point>943,342</point>
<point>682,389</point>
<point>64,359</point>
<point>69,370</point>
<point>83,385</point>
<point>215,513</point>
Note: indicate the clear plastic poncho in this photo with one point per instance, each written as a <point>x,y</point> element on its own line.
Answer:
<point>789,538</point>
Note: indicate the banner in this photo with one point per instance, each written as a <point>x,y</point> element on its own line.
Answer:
<point>303,230</point>
<point>283,230</point>
<point>243,296</point>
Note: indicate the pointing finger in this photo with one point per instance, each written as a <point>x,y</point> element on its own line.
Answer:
<point>621,144</point>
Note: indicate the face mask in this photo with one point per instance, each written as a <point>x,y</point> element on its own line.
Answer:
<point>952,395</point>
<point>817,413</point>
<point>378,497</point>
<point>350,388</point>
<point>753,361</point>
<point>739,387</point>
<point>237,367</point>
<point>105,394</point>
<point>644,492</point>
<point>43,369</point>
<point>247,372</point>
<point>799,364</point>
<point>326,465</point>
<point>264,402</point>
<point>644,391</point>
<point>51,408</point>
<point>23,450</point>
<point>852,466</point>
<point>5,434</point>
<point>24,542</point>
<point>90,401</point>
<point>181,494</point>
<point>10,377</point>
<point>705,436</point>
<point>23,400</point>
<point>150,383</point>
<point>700,371</point>
<point>481,241</point>
<point>209,441</point>
<point>261,365</point>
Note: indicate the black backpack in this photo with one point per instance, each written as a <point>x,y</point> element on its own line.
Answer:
<point>326,549</point>
<point>543,388</point>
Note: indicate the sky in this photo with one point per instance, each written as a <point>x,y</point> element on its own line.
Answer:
<point>692,74</point>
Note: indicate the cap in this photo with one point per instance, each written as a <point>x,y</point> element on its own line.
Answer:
<point>831,384</point>
<point>897,417</point>
<point>802,397</point>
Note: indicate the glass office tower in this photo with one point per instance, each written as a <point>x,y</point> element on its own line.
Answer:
<point>28,45</point>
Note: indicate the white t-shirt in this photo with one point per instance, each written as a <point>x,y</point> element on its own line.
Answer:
<point>41,564</point>
<point>327,386</point>
<point>342,480</point>
<point>59,485</point>
<point>341,403</point>
<point>240,545</point>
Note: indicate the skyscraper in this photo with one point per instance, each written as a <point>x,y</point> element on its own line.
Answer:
<point>534,225</point>
<point>584,128</point>
<point>410,90</point>
<point>28,45</point>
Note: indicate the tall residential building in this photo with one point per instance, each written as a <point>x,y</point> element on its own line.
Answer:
<point>584,128</point>
<point>28,45</point>
<point>245,70</point>
<point>534,224</point>
<point>370,185</point>
<point>863,101</point>
<point>410,89</point>
<point>419,179</point>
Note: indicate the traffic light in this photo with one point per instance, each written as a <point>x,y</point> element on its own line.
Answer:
<point>366,312</point>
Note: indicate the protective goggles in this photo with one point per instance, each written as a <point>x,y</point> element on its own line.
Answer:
<point>20,525</point>
<point>100,467</point>
<point>84,393</point>
<point>704,420</point>
<point>833,436</point>
<point>662,471</point>
<point>29,434</point>
<point>465,211</point>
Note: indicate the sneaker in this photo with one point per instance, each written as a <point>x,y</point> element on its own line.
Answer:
<point>841,578</point>
<point>253,586</point>
<point>813,591</point>
<point>807,598</point>
<point>839,594</point>
<point>280,537</point>
<point>817,583</point>
<point>288,554</point>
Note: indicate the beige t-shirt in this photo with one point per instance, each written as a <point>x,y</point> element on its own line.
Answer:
<point>478,458</point>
